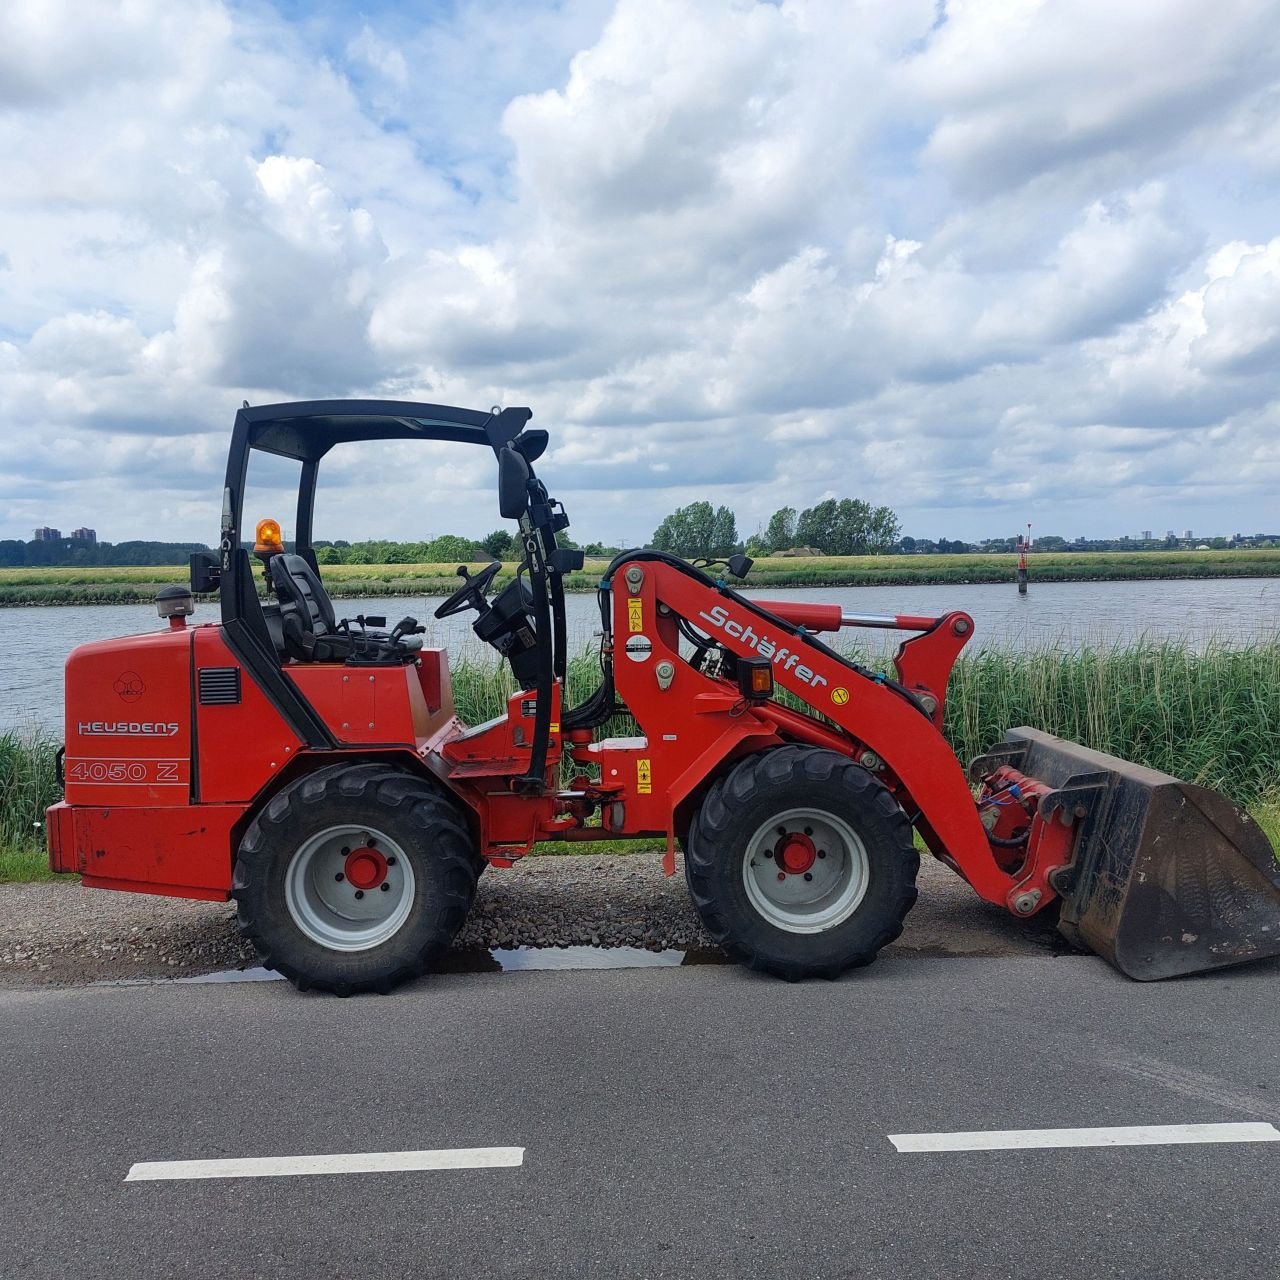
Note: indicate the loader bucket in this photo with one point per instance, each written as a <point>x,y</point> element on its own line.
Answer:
<point>1168,878</point>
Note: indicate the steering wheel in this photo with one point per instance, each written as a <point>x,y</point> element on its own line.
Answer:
<point>471,594</point>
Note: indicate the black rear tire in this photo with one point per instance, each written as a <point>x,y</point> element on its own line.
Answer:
<point>734,854</point>
<point>298,927</point>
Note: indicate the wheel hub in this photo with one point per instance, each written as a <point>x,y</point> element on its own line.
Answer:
<point>805,870</point>
<point>795,853</point>
<point>365,868</point>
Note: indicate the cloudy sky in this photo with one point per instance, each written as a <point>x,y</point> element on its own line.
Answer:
<point>986,261</point>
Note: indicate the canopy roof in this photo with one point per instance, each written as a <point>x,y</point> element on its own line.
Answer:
<point>308,429</point>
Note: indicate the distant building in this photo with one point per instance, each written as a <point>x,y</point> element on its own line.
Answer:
<point>1146,535</point>
<point>1188,535</point>
<point>48,535</point>
<point>1169,533</point>
<point>91,536</point>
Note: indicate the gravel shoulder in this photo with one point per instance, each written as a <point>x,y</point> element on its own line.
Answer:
<point>62,934</point>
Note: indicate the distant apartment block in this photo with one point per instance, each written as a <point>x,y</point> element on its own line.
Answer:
<point>91,536</point>
<point>48,535</point>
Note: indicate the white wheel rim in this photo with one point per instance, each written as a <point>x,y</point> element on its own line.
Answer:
<point>820,897</point>
<point>331,909</point>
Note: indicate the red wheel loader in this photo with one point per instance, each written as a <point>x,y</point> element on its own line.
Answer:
<point>314,768</point>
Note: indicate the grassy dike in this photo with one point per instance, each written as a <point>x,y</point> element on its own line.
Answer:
<point>1212,718</point>
<point>128,585</point>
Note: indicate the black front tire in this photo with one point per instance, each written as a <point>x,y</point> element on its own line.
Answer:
<point>735,822</point>
<point>425,827</point>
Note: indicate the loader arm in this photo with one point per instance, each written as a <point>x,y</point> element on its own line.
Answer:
<point>907,748</point>
<point>1157,875</point>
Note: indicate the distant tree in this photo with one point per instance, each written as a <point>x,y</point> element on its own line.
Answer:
<point>698,530</point>
<point>691,531</point>
<point>449,548</point>
<point>404,553</point>
<point>883,530</point>
<point>670,533</point>
<point>849,527</point>
<point>907,544</point>
<point>724,533</point>
<point>816,526</point>
<point>328,555</point>
<point>498,543</point>
<point>780,532</point>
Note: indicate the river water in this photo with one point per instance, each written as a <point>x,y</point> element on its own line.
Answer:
<point>36,641</point>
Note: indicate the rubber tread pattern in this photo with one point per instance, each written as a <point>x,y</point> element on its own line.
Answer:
<point>781,778</point>
<point>426,823</point>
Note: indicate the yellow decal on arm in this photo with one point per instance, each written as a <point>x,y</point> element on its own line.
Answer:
<point>644,778</point>
<point>635,614</point>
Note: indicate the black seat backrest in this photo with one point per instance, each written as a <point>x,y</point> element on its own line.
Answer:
<point>305,606</point>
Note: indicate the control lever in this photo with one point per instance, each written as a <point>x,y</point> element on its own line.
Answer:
<point>406,636</point>
<point>406,627</point>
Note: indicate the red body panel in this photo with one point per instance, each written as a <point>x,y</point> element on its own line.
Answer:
<point>128,721</point>
<point>365,704</point>
<point>184,852</point>
<point>242,746</point>
<point>477,763</point>
<point>437,691</point>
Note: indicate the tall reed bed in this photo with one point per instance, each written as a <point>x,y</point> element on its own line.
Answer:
<point>1210,717</point>
<point>28,784</point>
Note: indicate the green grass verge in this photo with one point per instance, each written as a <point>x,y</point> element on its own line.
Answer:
<point>26,866</point>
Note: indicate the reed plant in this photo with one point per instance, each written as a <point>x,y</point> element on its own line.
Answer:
<point>28,784</point>
<point>1211,717</point>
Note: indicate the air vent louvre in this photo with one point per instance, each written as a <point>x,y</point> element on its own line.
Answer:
<point>219,686</point>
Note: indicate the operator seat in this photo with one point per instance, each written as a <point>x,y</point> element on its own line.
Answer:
<point>309,624</point>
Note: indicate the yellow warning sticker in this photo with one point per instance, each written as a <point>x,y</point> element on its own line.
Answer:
<point>635,614</point>
<point>553,727</point>
<point>644,778</point>
<point>840,696</point>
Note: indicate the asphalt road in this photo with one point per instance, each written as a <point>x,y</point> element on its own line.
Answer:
<point>676,1122</point>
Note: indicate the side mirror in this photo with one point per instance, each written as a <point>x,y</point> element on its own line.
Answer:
<point>206,572</point>
<point>740,565</point>
<point>531,444</point>
<point>513,484</point>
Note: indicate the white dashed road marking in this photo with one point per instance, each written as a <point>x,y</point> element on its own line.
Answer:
<point>1142,1135</point>
<point>358,1162</point>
